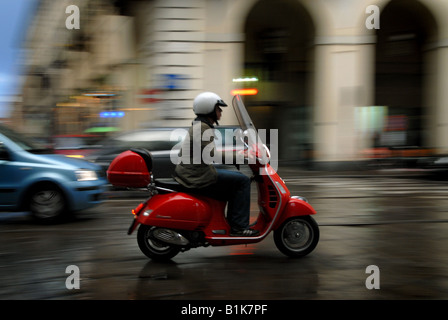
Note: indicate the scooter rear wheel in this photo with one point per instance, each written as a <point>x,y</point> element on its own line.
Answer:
<point>154,249</point>
<point>297,236</point>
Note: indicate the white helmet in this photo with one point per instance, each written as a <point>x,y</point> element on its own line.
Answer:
<point>205,103</point>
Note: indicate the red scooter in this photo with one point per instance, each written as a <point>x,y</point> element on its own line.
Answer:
<point>175,219</point>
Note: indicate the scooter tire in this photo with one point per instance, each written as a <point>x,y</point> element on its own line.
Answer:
<point>153,249</point>
<point>297,236</point>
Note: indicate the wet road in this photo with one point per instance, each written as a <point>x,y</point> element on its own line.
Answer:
<point>397,224</point>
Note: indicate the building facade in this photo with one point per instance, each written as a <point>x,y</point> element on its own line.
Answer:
<point>334,77</point>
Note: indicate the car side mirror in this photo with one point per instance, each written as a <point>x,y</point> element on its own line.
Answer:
<point>4,154</point>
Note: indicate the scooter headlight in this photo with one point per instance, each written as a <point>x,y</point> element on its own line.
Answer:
<point>300,198</point>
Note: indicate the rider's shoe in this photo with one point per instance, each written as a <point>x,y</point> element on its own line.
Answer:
<point>244,232</point>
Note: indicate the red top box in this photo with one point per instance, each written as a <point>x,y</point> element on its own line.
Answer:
<point>131,168</point>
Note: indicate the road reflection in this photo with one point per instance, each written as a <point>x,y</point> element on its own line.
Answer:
<point>246,276</point>
<point>399,225</point>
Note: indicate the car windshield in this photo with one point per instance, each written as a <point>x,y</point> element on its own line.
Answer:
<point>20,139</point>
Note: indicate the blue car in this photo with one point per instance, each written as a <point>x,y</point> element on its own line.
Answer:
<point>50,186</point>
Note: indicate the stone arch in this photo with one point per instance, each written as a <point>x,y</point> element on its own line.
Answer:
<point>406,32</point>
<point>279,51</point>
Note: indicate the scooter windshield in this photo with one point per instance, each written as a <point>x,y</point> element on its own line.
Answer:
<point>241,113</point>
<point>250,133</point>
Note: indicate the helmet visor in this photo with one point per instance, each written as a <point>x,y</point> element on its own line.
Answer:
<point>221,103</point>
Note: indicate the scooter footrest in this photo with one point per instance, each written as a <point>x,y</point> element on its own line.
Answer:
<point>171,184</point>
<point>219,231</point>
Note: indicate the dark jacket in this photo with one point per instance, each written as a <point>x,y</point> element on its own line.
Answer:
<point>194,171</point>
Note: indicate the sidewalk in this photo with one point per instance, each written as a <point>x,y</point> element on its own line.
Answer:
<point>292,171</point>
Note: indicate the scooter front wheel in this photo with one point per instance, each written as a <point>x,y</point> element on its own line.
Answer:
<point>297,236</point>
<point>154,249</point>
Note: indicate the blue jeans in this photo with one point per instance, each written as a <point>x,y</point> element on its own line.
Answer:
<point>234,187</point>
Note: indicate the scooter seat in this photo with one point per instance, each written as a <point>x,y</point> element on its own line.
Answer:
<point>171,184</point>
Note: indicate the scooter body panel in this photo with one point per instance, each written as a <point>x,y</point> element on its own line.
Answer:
<point>176,210</point>
<point>192,212</point>
<point>273,198</point>
<point>174,221</point>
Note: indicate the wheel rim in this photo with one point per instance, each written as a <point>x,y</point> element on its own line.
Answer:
<point>46,203</point>
<point>297,235</point>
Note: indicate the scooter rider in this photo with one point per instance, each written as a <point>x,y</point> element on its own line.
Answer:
<point>231,186</point>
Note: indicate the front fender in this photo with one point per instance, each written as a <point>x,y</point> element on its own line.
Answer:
<point>295,207</point>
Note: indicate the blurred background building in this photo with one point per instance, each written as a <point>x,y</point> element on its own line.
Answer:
<point>310,68</point>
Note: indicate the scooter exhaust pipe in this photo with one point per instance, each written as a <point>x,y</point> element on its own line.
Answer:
<point>169,236</point>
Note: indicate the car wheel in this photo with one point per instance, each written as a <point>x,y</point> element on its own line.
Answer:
<point>47,203</point>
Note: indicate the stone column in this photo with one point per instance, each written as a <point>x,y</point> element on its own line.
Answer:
<point>344,81</point>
